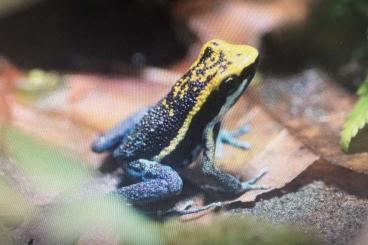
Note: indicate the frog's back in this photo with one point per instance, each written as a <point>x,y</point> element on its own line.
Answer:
<point>153,133</point>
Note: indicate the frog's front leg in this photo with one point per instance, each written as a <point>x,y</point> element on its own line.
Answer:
<point>152,181</point>
<point>224,182</point>
<point>226,136</point>
<point>117,133</point>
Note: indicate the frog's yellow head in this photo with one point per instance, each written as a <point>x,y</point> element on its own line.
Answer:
<point>231,59</point>
<point>221,70</point>
<point>218,63</point>
<point>229,69</point>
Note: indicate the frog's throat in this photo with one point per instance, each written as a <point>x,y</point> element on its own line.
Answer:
<point>230,101</point>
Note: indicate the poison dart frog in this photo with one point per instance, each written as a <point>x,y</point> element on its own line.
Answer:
<point>157,142</point>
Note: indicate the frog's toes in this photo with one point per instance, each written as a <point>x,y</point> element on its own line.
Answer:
<point>201,209</point>
<point>244,145</point>
<point>250,184</point>
<point>187,205</point>
<point>244,129</point>
<point>248,187</point>
<point>229,137</point>
<point>190,210</point>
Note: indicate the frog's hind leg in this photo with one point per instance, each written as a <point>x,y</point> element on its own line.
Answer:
<point>223,182</point>
<point>152,181</point>
<point>229,137</point>
<point>117,133</point>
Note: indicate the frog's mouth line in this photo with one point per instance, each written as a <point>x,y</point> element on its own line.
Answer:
<point>230,100</point>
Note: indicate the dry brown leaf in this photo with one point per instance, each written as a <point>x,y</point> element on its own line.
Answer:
<point>55,129</point>
<point>99,102</point>
<point>285,157</point>
<point>314,109</point>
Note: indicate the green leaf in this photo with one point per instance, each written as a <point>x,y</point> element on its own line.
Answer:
<point>105,219</point>
<point>354,136</point>
<point>13,207</point>
<point>51,168</point>
<point>38,81</point>
<point>231,229</point>
<point>363,90</point>
<point>4,236</point>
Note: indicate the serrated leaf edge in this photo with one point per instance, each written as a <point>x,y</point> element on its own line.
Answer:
<point>358,114</point>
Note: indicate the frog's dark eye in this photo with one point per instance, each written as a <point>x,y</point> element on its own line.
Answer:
<point>228,79</point>
<point>228,85</point>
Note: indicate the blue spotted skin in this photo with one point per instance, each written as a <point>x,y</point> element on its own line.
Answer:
<point>116,134</point>
<point>157,142</point>
<point>151,182</point>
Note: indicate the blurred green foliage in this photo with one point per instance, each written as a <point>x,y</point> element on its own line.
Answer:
<point>37,81</point>
<point>334,37</point>
<point>51,168</point>
<point>350,10</point>
<point>234,230</point>
<point>9,6</point>
<point>103,219</point>
<point>363,90</point>
<point>349,21</point>
<point>4,237</point>
<point>13,207</point>
<point>354,136</point>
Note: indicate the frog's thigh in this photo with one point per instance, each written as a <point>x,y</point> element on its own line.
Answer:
<point>118,132</point>
<point>153,181</point>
